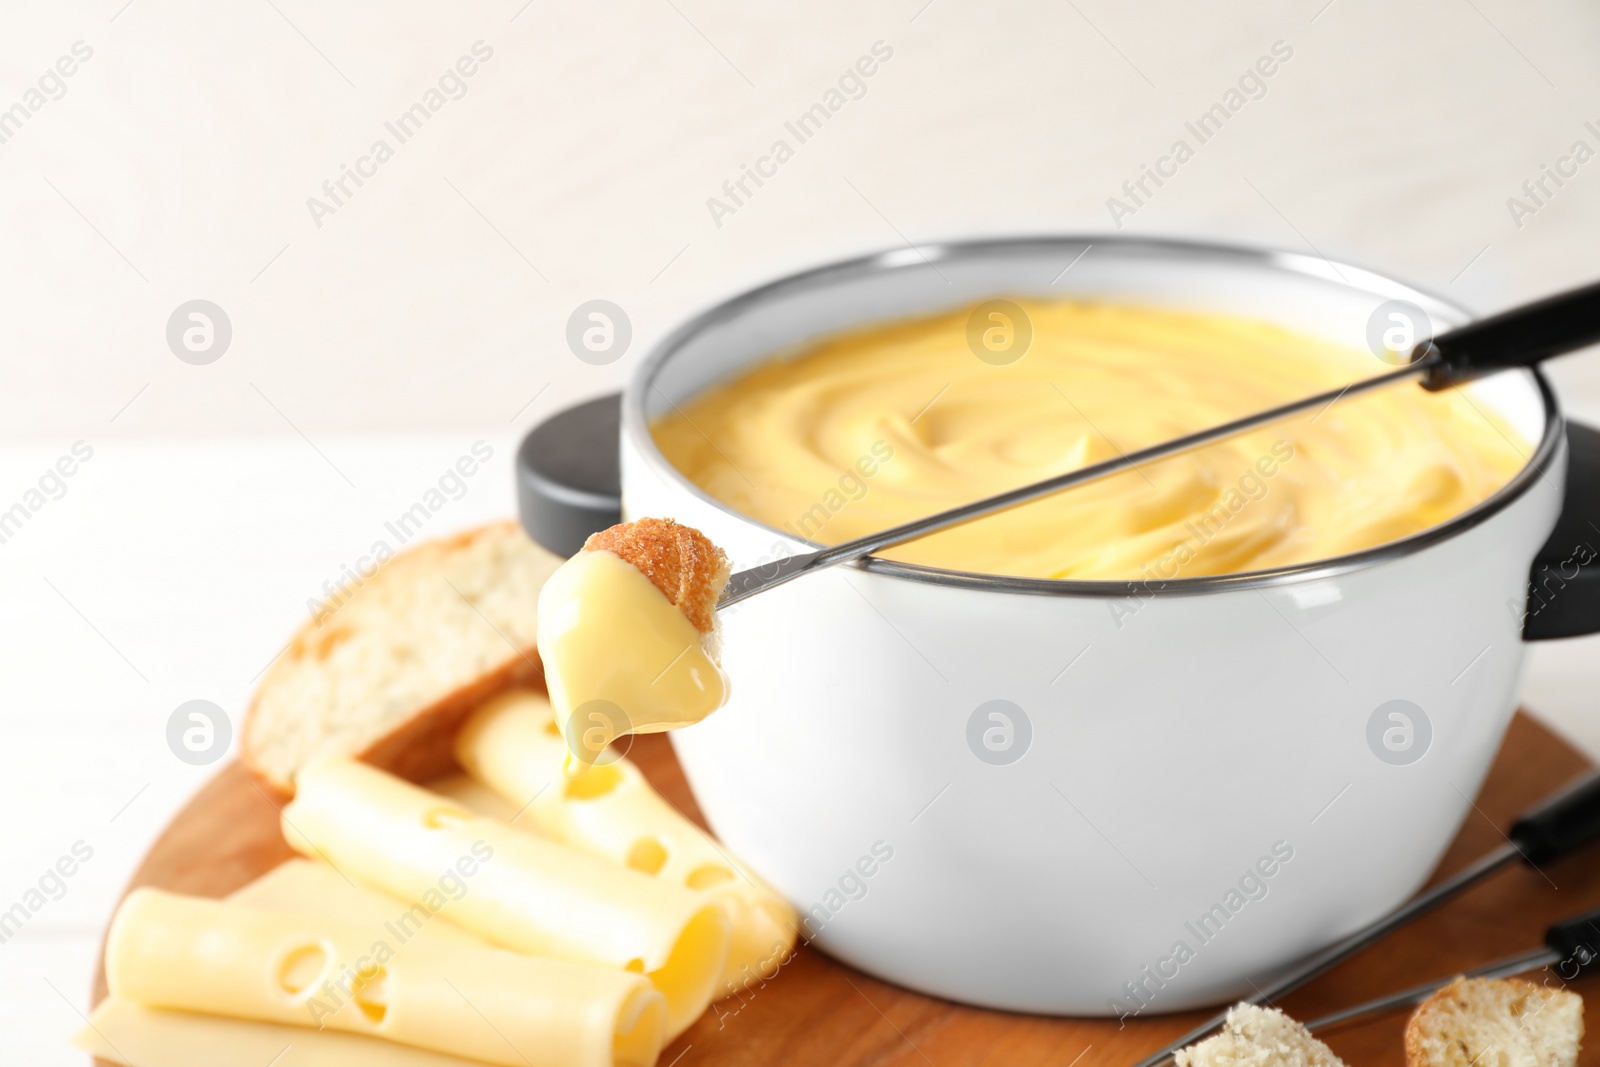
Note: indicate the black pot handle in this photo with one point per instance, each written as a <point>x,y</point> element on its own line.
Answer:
<point>1564,584</point>
<point>569,483</point>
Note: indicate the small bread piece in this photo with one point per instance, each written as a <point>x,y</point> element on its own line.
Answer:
<point>388,674</point>
<point>679,560</point>
<point>1258,1037</point>
<point>628,635</point>
<point>1496,1022</point>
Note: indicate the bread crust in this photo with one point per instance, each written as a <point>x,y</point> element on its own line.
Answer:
<point>1461,999</point>
<point>421,745</point>
<point>679,560</point>
<point>1422,1021</point>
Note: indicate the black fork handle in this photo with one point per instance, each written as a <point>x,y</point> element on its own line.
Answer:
<point>1520,337</point>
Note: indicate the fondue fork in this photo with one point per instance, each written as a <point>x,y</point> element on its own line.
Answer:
<point>1521,337</point>
<point>1571,943</point>
<point>1557,826</point>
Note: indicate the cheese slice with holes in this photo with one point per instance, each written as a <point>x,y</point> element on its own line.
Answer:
<point>513,746</point>
<point>527,894</point>
<point>480,798</point>
<point>175,952</point>
<point>309,887</point>
<point>122,1032</point>
<point>130,1034</point>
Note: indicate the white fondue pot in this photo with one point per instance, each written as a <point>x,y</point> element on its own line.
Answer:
<point>1098,797</point>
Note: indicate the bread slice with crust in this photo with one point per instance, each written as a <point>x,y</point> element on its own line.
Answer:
<point>389,674</point>
<point>1258,1037</point>
<point>683,563</point>
<point>1496,1022</point>
<point>688,568</point>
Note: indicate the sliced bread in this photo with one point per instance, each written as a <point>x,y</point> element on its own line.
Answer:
<point>388,674</point>
<point>1259,1037</point>
<point>1496,1022</point>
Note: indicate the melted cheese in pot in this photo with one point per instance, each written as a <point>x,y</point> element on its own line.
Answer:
<point>880,426</point>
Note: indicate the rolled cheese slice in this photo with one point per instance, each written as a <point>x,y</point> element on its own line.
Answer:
<point>122,1032</point>
<point>310,887</point>
<point>526,893</point>
<point>166,950</point>
<point>513,746</point>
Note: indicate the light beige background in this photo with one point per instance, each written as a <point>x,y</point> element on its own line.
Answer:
<point>429,311</point>
<point>592,139</point>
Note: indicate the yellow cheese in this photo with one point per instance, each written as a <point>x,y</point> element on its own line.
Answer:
<point>165,950</point>
<point>474,795</point>
<point>619,657</point>
<point>872,428</point>
<point>512,746</point>
<point>480,798</point>
<point>120,1031</point>
<point>310,887</point>
<point>527,894</point>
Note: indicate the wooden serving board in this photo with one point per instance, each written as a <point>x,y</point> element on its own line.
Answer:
<point>818,1011</point>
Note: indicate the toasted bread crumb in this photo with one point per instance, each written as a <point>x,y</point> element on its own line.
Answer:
<point>1258,1037</point>
<point>1499,1022</point>
<point>679,560</point>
